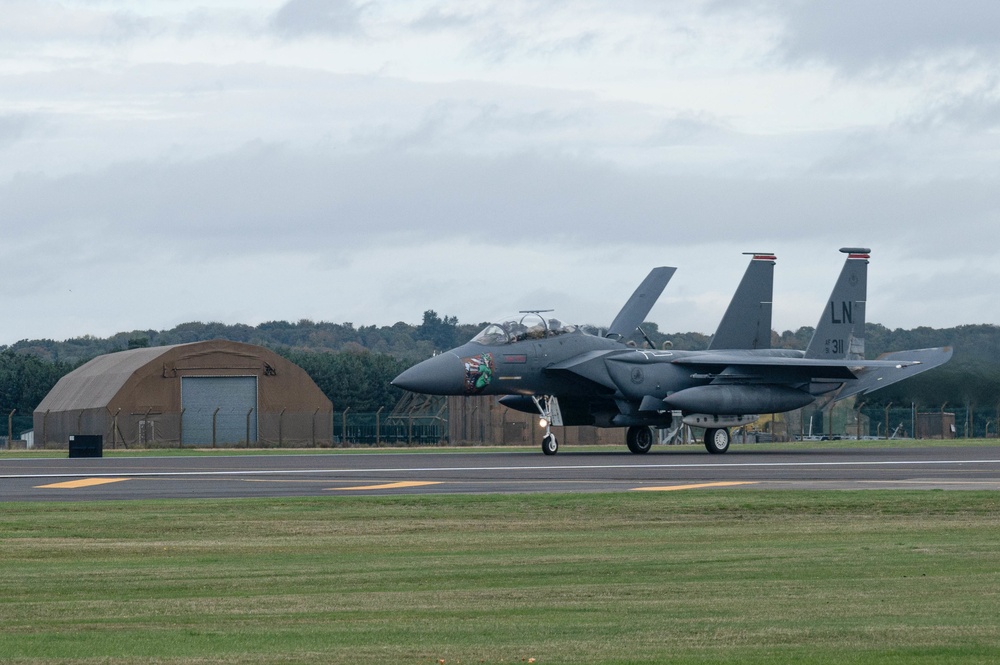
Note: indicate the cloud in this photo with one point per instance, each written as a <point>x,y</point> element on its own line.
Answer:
<point>330,18</point>
<point>858,35</point>
<point>689,128</point>
<point>972,110</point>
<point>14,126</point>
<point>327,198</point>
<point>31,23</point>
<point>532,138</point>
<point>438,19</point>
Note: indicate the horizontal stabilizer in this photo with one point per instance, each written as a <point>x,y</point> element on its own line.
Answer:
<point>635,310</point>
<point>901,365</point>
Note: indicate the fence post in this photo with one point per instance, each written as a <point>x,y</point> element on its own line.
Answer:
<point>180,429</point>
<point>378,426</point>
<point>315,413</point>
<point>145,431</point>
<point>248,426</point>
<point>887,406</point>
<point>281,428</point>
<point>10,427</point>
<point>114,430</point>
<point>343,426</point>
<point>214,414</point>
<point>45,425</point>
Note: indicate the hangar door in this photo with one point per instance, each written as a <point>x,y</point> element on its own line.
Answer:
<point>233,396</point>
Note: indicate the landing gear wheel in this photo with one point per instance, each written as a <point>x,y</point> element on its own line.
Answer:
<point>639,439</point>
<point>549,444</point>
<point>717,440</point>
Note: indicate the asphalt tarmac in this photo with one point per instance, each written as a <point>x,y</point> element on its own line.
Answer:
<point>469,472</point>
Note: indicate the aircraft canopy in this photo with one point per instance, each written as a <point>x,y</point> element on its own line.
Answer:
<point>526,325</point>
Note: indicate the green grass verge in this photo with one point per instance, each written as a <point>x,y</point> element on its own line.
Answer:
<point>687,577</point>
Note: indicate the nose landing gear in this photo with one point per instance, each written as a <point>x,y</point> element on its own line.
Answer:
<point>548,407</point>
<point>549,444</point>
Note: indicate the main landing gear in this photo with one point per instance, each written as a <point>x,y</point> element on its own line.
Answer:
<point>639,439</point>
<point>717,440</point>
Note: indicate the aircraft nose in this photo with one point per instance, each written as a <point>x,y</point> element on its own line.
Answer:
<point>443,374</point>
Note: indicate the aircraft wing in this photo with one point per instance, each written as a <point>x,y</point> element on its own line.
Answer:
<point>724,364</point>
<point>874,378</point>
<point>635,310</point>
<point>590,366</point>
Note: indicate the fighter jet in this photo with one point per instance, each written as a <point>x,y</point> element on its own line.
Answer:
<point>571,377</point>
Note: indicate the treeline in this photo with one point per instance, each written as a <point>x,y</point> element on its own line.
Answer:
<point>24,380</point>
<point>401,340</point>
<point>353,365</point>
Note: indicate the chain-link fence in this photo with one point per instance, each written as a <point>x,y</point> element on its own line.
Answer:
<point>379,429</point>
<point>284,428</point>
<point>215,427</point>
<point>941,421</point>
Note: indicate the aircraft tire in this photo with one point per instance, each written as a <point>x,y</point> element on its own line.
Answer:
<point>639,439</point>
<point>549,444</point>
<point>717,440</point>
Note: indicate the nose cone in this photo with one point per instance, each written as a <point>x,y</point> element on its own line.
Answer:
<point>443,374</point>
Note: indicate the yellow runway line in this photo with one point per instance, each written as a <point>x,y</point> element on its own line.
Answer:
<point>389,486</point>
<point>86,482</point>
<point>671,488</point>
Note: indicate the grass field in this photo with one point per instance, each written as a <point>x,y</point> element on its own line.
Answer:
<point>698,576</point>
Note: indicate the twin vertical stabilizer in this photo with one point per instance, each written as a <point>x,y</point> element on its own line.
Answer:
<point>840,333</point>
<point>747,321</point>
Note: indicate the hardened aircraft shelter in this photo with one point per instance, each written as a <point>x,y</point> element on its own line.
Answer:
<point>201,394</point>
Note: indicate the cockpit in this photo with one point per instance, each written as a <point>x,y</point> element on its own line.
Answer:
<point>526,325</point>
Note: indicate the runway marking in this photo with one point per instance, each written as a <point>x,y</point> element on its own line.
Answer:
<point>85,482</point>
<point>554,468</point>
<point>671,488</point>
<point>387,486</point>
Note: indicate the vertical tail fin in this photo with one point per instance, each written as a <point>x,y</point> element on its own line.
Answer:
<point>747,321</point>
<point>840,332</point>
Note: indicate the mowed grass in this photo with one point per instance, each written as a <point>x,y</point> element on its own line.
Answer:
<point>698,576</point>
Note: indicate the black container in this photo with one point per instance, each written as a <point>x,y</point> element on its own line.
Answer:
<point>86,445</point>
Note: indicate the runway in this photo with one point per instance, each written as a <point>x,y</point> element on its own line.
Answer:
<point>469,472</point>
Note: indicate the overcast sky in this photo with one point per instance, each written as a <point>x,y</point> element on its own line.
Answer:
<point>171,161</point>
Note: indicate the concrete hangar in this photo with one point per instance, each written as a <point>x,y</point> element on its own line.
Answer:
<point>205,393</point>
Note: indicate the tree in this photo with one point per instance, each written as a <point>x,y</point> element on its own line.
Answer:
<point>440,332</point>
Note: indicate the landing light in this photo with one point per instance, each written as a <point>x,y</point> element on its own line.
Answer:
<point>543,422</point>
